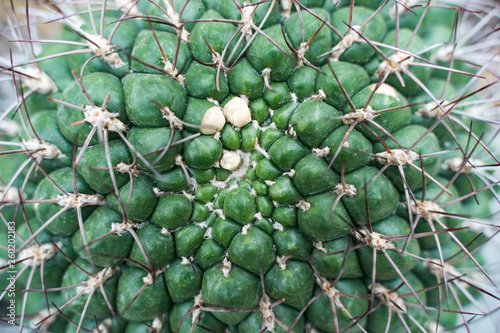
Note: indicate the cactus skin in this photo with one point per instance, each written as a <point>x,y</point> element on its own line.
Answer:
<point>231,166</point>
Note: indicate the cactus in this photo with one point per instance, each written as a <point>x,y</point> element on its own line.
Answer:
<point>250,166</point>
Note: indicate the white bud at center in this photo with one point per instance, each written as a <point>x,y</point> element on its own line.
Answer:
<point>237,112</point>
<point>230,160</point>
<point>213,120</point>
<point>396,63</point>
<point>37,254</point>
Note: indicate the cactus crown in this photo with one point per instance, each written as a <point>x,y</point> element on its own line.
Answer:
<point>250,166</point>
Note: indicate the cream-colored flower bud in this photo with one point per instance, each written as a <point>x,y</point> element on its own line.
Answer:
<point>212,121</point>
<point>237,112</point>
<point>230,160</point>
<point>385,89</point>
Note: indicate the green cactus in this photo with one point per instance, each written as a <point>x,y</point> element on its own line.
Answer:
<point>250,166</point>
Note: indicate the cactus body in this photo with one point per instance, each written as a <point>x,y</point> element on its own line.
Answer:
<point>250,166</point>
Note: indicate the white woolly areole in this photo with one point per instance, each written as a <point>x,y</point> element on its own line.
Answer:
<point>286,5</point>
<point>290,173</point>
<point>345,144</point>
<point>304,205</point>
<point>309,326</point>
<point>178,160</point>
<point>301,53</point>
<point>262,151</point>
<point>358,116</point>
<point>100,118</point>
<point>103,327</point>
<point>247,13</point>
<point>129,7</point>
<point>443,54</point>
<point>218,60</point>
<point>38,81</point>
<point>319,246</point>
<point>197,309</point>
<point>121,228</point>
<point>266,309</point>
<point>220,213</point>
<point>391,300</point>
<point>477,227</point>
<point>157,324</point>
<point>230,160</point>
<point>128,168</point>
<point>213,120</point>
<point>165,232</point>
<point>188,196</point>
<point>347,190</point>
<point>396,63</point>
<point>323,152</point>
<point>266,75</point>
<point>435,267</point>
<point>38,253</point>
<point>226,267</point>
<point>208,234</point>
<point>80,200</point>
<point>12,194</point>
<point>385,89</point>
<point>281,261</point>
<point>96,281</point>
<point>396,157</point>
<point>373,240</point>
<point>291,132</point>
<point>194,183</point>
<point>269,182</point>
<point>330,291</point>
<point>278,226</point>
<point>218,184</point>
<point>202,224</point>
<point>455,165</point>
<point>9,127</point>
<point>47,321</point>
<point>345,43</point>
<point>149,279</point>
<point>430,326</point>
<point>174,18</point>
<point>258,216</point>
<point>244,230</point>
<point>42,149</point>
<point>213,101</point>
<point>172,71</point>
<point>237,112</point>
<point>186,261</point>
<point>158,193</point>
<point>210,206</point>
<point>320,96</point>
<point>247,100</point>
<point>171,118</point>
<point>402,9</point>
<point>432,110</point>
<point>101,47</point>
<point>426,209</point>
